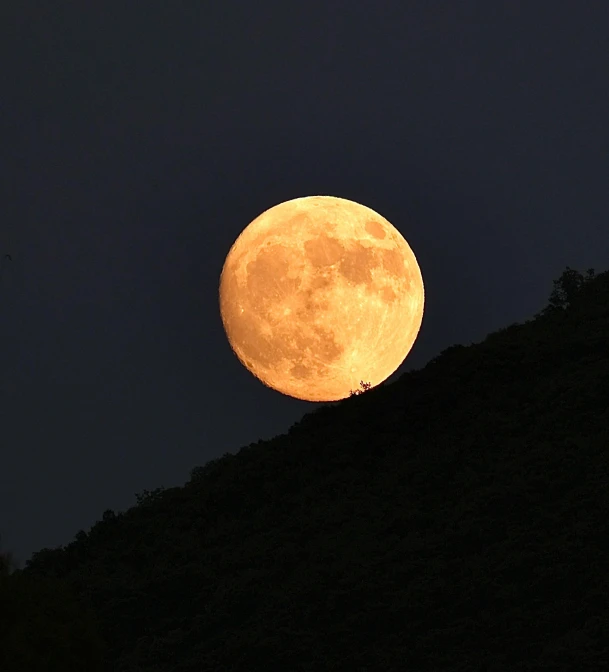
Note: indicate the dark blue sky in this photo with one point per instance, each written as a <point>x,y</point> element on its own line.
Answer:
<point>139,139</point>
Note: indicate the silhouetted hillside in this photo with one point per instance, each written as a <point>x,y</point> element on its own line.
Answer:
<point>454,520</point>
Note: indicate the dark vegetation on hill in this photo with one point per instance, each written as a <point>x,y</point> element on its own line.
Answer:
<point>455,520</point>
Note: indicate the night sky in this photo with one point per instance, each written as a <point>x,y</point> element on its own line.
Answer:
<point>138,141</point>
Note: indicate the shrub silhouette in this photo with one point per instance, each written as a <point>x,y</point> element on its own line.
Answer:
<point>566,288</point>
<point>363,387</point>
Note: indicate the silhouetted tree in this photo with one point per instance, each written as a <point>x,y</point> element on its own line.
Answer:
<point>363,387</point>
<point>566,288</point>
<point>148,496</point>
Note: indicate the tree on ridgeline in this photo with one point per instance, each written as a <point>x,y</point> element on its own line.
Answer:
<point>363,387</point>
<point>566,288</point>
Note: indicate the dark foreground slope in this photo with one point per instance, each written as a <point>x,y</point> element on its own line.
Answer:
<point>455,520</point>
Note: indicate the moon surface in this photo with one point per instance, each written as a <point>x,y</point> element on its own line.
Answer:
<point>320,293</point>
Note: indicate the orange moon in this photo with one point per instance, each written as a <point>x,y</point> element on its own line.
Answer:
<point>320,293</point>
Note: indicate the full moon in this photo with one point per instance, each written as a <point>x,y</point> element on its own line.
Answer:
<point>318,294</point>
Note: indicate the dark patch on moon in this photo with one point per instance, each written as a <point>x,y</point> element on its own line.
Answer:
<point>321,281</point>
<point>326,347</point>
<point>375,229</point>
<point>324,251</point>
<point>356,265</point>
<point>267,277</point>
<point>298,220</point>
<point>388,294</point>
<point>312,303</point>
<point>300,371</point>
<point>393,262</point>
